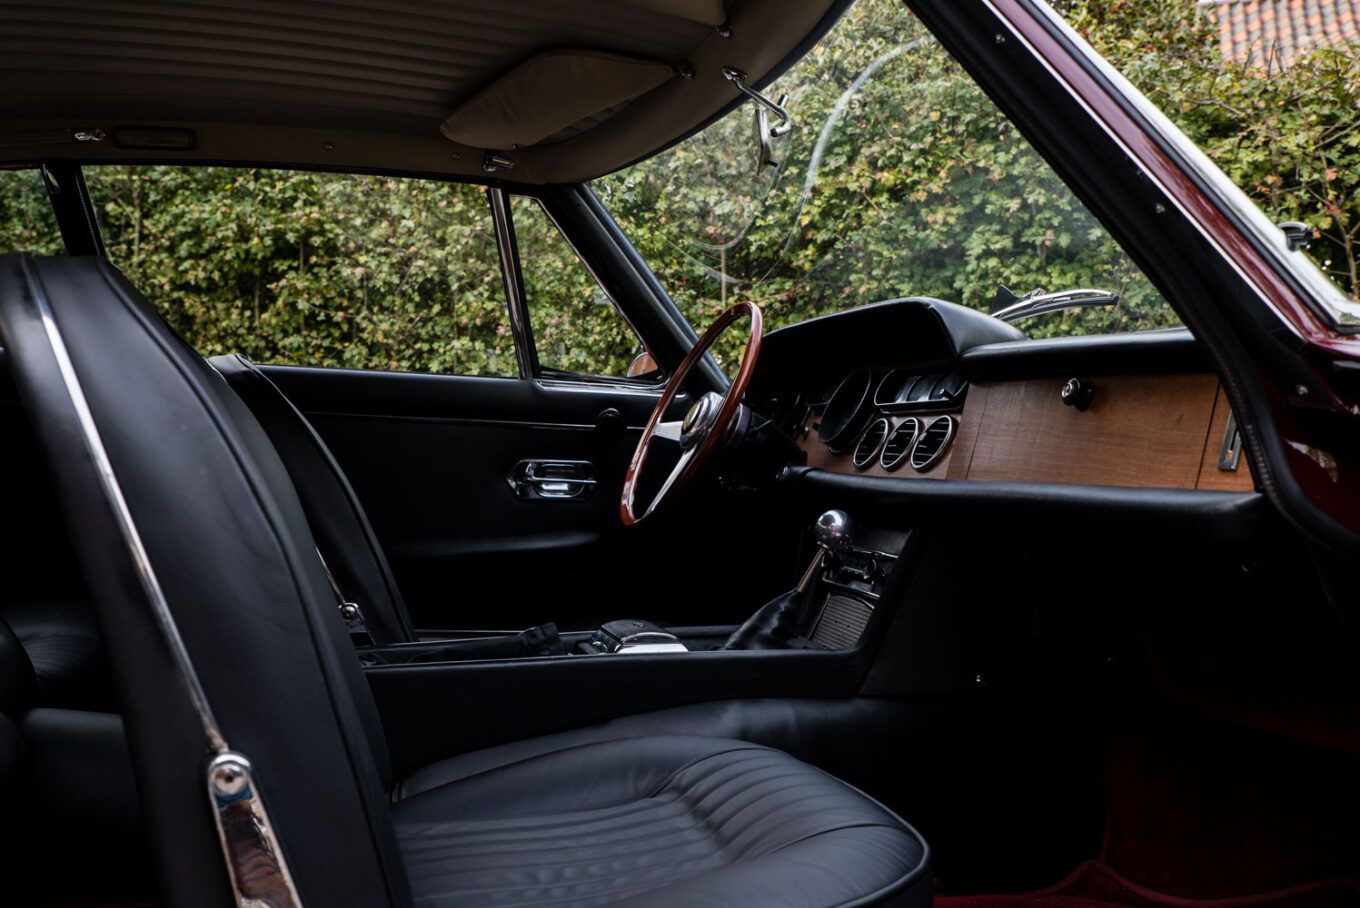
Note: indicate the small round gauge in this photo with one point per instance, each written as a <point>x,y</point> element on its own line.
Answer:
<point>847,409</point>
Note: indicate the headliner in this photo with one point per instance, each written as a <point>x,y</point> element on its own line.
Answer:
<point>364,84</point>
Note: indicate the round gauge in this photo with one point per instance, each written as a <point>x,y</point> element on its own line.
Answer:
<point>894,388</point>
<point>847,409</point>
<point>920,392</point>
<point>788,411</point>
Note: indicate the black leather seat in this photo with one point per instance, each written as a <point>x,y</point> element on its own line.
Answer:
<point>62,641</point>
<point>660,820</point>
<point>62,637</point>
<point>337,519</point>
<point>226,638</point>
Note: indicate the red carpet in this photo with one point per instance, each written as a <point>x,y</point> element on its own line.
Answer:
<point>1093,885</point>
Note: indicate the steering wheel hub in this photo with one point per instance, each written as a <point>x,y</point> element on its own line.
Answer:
<point>699,419</point>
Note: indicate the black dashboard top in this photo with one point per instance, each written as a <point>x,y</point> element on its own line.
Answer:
<point>913,331</point>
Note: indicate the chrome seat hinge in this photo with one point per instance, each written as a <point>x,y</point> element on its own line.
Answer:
<point>353,617</point>
<point>259,874</point>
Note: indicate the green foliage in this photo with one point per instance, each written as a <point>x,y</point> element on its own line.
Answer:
<point>924,188</point>
<point>911,184</point>
<point>575,328</point>
<point>26,220</point>
<point>315,269</point>
<point>1287,134</point>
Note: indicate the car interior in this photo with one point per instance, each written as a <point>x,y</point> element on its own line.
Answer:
<point>896,604</point>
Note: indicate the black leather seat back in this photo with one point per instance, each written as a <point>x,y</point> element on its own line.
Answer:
<point>336,516</point>
<point>215,529</point>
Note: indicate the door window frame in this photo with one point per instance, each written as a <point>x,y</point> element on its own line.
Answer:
<point>521,322</point>
<point>79,227</point>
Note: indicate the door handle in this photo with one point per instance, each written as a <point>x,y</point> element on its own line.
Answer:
<point>554,480</point>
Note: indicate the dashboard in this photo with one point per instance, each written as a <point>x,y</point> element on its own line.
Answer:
<point>921,389</point>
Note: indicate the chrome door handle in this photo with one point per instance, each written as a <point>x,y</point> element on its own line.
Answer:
<point>557,480</point>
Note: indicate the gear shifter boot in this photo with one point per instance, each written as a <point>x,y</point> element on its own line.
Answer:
<point>773,626</point>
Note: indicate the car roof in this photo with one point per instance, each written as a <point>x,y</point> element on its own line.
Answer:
<point>569,89</point>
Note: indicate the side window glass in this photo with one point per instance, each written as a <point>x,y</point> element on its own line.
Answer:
<point>575,324</point>
<point>313,269</point>
<point>27,223</point>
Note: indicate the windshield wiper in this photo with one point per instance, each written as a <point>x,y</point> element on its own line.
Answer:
<point>1011,308</point>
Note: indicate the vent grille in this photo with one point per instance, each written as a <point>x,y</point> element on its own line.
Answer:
<point>841,621</point>
<point>869,442</point>
<point>934,441</point>
<point>899,443</point>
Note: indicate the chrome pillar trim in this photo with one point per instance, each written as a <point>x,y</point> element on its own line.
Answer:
<point>249,834</point>
<point>514,283</point>
<point>259,874</point>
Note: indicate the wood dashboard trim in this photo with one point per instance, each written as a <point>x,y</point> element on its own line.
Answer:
<point>1141,431</point>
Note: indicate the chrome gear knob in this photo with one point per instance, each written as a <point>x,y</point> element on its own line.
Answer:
<point>832,530</point>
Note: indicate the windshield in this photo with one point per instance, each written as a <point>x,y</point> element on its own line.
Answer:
<point>900,178</point>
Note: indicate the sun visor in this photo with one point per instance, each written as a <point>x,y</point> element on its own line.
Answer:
<point>548,94</point>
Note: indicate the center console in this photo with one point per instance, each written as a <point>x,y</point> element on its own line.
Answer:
<point>812,644</point>
<point>829,609</point>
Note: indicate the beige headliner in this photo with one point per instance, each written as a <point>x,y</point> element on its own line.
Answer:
<point>360,84</point>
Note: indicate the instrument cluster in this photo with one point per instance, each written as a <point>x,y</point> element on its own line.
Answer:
<point>892,418</point>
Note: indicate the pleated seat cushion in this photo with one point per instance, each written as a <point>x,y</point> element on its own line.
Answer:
<point>664,820</point>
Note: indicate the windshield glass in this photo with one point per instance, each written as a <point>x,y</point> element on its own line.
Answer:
<point>900,178</point>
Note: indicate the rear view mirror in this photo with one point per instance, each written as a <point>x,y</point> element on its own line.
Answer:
<point>766,134</point>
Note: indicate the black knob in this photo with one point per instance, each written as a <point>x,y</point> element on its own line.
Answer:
<point>1078,393</point>
<point>610,421</point>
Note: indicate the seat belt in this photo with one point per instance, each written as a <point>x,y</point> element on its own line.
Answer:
<point>350,613</point>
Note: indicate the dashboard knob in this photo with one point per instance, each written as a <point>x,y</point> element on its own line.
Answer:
<point>1078,393</point>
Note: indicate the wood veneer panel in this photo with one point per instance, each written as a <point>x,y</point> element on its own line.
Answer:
<point>1210,476</point>
<point>1141,430</point>
<point>965,439</point>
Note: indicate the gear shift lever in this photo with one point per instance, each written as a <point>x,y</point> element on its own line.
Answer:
<point>832,531</point>
<point>775,625</point>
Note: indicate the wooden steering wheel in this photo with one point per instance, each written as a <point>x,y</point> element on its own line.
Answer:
<point>701,433</point>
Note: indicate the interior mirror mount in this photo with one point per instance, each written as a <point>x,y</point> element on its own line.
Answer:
<point>765,132</point>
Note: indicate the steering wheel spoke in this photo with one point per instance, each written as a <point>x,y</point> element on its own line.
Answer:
<point>677,471</point>
<point>704,428</point>
<point>669,430</point>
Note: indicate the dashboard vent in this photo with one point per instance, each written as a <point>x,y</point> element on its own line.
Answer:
<point>933,443</point>
<point>899,443</point>
<point>869,442</point>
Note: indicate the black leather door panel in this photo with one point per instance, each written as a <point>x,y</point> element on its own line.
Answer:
<point>430,457</point>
